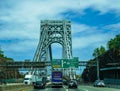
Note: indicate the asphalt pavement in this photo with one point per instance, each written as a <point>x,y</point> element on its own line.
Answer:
<point>80,88</point>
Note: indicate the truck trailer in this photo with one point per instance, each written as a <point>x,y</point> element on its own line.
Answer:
<point>57,79</point>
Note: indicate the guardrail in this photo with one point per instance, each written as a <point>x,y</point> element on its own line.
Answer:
<point>15,87</point>
<point>112,83</point>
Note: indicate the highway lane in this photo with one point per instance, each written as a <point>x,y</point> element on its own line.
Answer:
<point>80,88</point>
<point>91,88</point>
<point>48,89</point>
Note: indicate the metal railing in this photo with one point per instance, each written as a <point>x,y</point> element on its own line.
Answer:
<point>20,64</point>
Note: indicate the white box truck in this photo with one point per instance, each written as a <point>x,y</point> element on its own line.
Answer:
<point>29,79</point>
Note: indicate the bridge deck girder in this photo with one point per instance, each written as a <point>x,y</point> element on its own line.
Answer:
<point>37,64</point>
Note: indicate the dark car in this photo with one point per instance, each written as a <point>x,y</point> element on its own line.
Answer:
<point>65,82</point>
<point>72,84</point>
<point>39,84</point>
<point>44,80</point>
<point>99,83</point>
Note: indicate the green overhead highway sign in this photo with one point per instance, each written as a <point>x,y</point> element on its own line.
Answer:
<point>70,63</point>
<point>65,63</point>
<point>56,63</point>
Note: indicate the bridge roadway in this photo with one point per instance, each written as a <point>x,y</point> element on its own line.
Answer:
<point>80,88</point>
<point>20,64</point>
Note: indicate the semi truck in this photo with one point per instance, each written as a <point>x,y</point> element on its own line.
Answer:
<point>29,79</point>
<point>57,79</point>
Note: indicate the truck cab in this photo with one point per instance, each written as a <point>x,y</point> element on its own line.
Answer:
<point>28,79</point>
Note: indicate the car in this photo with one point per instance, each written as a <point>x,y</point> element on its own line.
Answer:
<point>44,80</point>
<point>39,84</point>
<point>65,82</point>
<point>72,84</point>
<point>99,83</point>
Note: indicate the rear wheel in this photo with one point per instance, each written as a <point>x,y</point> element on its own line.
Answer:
<point>43,86</point>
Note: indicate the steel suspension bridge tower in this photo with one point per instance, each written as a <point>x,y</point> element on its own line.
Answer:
<point>53,31</point>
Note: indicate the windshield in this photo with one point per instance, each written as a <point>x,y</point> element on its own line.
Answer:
<point>39,82</point>
<point>27,79</point>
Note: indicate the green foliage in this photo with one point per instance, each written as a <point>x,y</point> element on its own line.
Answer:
<point>9,59</point>
<point>4,74</point>
<point>112,55</point>
<point>1,53</point>
<point>102,50</point>
<point>114,43</point>
<point>99,51</point>
<point>96,52</point>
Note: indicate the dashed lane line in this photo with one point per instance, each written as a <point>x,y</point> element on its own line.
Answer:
<point>85,89</point>
<point>65,88</point>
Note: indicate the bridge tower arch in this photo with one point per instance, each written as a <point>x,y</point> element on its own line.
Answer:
<point>54,31</point>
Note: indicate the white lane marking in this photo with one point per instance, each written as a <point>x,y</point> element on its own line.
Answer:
<point>85,89</point>
<point>66,89</point>
<point>46,89</point>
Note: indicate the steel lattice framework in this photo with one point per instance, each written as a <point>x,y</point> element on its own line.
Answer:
<point>54,31</point>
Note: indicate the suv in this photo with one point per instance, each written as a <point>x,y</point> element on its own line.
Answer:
<point>39,84</point>
<point>72,84</point>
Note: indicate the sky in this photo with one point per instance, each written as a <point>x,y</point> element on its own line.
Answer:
<point>93,22</point>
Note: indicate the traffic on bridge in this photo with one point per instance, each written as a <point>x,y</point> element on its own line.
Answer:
<point>80,88</point>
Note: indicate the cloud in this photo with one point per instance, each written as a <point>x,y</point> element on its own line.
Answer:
<point>113,27</point>
<point>88,36</point>
<point>31,10</point>
<point>20,46</point>
<point>20,19</point>
<point>77,28</point>
<point>19,34</point>
<point>90,40</point>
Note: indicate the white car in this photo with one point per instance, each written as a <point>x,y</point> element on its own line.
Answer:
<point>99,83</point>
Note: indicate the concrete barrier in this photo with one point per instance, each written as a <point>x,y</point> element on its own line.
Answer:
<point>14,87</point>
<point>113,86</point>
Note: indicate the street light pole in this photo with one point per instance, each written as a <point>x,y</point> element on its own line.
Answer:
<point>98,74</point>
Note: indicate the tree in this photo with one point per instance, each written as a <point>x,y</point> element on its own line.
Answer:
<point>112,55</point>
<point>102,50</point>
<point>114,43</point>
<point>1,53</point>
<point>96,52</point>
<point>99,51</point>
<point>4,73</point>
